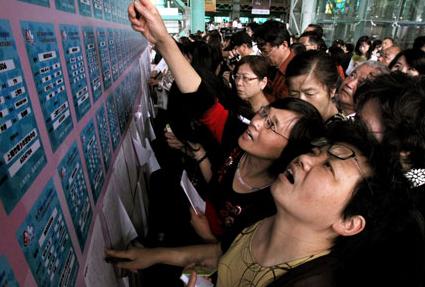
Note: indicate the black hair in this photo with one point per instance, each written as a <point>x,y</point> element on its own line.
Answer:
<point>315,39</point>
<point>415,58</point>
<point>360,41</point>
<point>273,32</point>
<point>203,56</point>
<point>321,64</point>
<point>337,54</point>
<point>253,26</point>
<point>401,99</point>
<point>318,29</point>
<point>297,48</point>
<point>309,126</point>
<point>258,64</point>
<point>419,42</point>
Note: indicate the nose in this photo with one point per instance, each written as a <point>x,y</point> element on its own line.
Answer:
<point>257,122</point>
<point>308,161</point>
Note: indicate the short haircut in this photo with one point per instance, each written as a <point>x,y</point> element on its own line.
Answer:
<point>273,32</point>
<point>318,29</point>
<point>314,38</point>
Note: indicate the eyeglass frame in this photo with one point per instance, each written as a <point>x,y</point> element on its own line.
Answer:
<point>264,113</point>
<point>322,142</point>
<point>244,78</point>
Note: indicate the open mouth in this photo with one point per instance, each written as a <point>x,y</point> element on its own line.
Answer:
<point>248,132</point>
<point>290,176</point>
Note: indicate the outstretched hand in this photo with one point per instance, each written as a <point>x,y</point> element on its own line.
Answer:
<point>134,259</point>
<point>148,22</point>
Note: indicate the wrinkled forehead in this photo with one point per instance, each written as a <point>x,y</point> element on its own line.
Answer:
<point>286,118</point>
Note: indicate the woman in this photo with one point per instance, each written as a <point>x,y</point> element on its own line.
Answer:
<point>392,106</point>
<point>361,53</point>
<point>410,61</point>
<point>312,77</point>
<point>241,194</point>
<point>320,201</point>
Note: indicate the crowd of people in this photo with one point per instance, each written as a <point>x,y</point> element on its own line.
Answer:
<point>311,159</point>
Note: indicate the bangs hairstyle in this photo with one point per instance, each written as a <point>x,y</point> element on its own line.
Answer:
<point>258,64</point>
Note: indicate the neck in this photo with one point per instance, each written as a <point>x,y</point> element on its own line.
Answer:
<point>258,101</point>
<point>282,240</point>
<point>285,55</point>
<point>252,173</point>
<point>332,110</point>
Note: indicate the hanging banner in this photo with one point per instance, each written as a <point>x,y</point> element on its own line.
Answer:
<point>210,6</point>
<point>261,7</point>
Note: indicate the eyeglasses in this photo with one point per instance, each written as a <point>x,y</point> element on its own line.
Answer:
<point>340,151</point>
<point>245,79</point>
<point>263,112</point>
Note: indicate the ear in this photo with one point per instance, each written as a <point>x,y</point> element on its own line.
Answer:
<point>263,83</point>
<point>332,93</point>
<point>349,226</point>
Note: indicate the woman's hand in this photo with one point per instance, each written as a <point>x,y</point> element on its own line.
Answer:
<point>172,140</point>
<point>149,23</point>
<point>134,259</point>
<point>201,226</point>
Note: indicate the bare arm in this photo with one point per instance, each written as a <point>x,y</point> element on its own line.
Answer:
<point>152,27</point>
<point>140,258</point>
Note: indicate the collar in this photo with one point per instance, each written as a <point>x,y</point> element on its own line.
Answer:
<point>284,64</point>
<point>416,176</point>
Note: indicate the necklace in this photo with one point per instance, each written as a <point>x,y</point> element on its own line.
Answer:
<point>243,182</point>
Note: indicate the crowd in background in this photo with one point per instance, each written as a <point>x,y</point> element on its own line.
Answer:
<point>311,158</point>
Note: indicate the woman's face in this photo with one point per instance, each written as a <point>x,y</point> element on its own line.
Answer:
<point>247,83</point>
<point>310,89</point>
<point>364,47</point>
<point>402,66</point>
<point>316,187</point>
<point>268,133</point>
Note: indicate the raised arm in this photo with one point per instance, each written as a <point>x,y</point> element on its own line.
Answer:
<point>153,28</point>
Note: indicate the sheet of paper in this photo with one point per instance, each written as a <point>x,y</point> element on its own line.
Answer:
<point>142,204</point>
<point>96,271</point>
<point>141,153</point>
<point>118,225</point>
<point>192,194</point>
<point>131,160</point>
<point>121,181</point>
<point>153,164</point>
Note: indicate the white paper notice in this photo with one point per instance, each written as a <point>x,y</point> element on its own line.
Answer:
<point>153,164</point>
<point>96,271</point>
<point>142,153</point>
<point>118,224</point>
<point>122,182</point>
<point>130,159</point>
<point>192,194</point>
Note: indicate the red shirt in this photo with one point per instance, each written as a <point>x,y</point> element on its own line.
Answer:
<point>279,87</point>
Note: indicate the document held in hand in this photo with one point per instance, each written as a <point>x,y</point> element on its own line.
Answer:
<point>192,194</point>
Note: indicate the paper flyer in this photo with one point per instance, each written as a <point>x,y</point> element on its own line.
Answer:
<point>192,194</point>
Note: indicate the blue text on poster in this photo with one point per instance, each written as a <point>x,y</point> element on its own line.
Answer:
<point>74,187</point>
<point>84,6</point>
<point>104,57</point>
<point>92,157</point>
<point>45,242</point>
<point>65,5</point>
<point>102,128</point>
<point>22,154</point>
<point>113,120</point>
<point>7,277</point>
<point>92,62</point>
<point>43,54</point>
<point>76,71</point>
